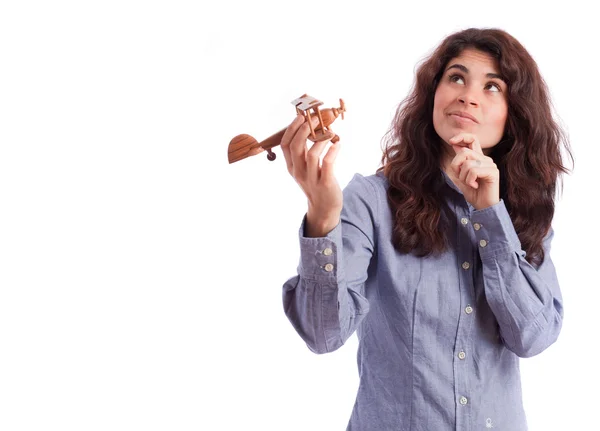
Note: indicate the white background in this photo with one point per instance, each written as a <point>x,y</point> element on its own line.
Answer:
<point>140,273</point>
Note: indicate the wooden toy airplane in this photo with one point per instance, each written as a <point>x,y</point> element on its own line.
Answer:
<point>243,146</point>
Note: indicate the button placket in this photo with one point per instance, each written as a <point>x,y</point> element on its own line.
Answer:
<point>468,252</point>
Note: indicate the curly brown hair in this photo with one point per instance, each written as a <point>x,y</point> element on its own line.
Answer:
<point>528,155</point>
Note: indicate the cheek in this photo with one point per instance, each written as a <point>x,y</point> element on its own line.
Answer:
<point>495,125</point>
<point>438,105</point>
<point>501,118</point>
<point>497,117</point>
<point>439,99</point>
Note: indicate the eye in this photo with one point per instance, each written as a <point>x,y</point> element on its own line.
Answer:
<point>455,78</point>
<point>493,84</point>
<point>460,80</point>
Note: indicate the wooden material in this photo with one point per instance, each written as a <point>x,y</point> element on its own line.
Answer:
<point>243,146</point>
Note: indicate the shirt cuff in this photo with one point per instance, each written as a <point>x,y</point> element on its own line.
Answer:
<point>320,258</point>
<point>494,231</point>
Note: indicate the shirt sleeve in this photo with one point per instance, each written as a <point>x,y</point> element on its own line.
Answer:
<point>326,301</point>
<point>525,300</point>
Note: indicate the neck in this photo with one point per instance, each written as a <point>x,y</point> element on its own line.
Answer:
<point>446,159</point>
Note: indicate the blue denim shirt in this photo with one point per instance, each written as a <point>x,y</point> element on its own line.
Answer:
<point>440,337</point>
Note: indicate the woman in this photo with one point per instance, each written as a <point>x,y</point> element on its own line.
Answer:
<point>441,260</point>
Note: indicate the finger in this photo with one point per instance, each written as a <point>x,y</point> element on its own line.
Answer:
<point>466,169</point>
<point>465,150</point>
<point>468,154</point>
<point>476,146</point>
<point>291,130</point>
<point>287,137</point>
<point>313,157</point>
<point>327,174</point>
<point>330,129</point>
<point>458,139</point>
<point>471,178</point>
<point>458,148</point>
<point>298,147</point>
<point>480,173</point>
<point>314,164</point>
<point>458,160</point>
<point>472,142</point>
<point>463,139</point>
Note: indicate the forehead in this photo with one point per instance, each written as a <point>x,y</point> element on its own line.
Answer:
<point>476,61</point>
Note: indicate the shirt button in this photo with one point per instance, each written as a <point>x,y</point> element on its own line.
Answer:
<point>327,251</point>
<point>469,309</point>
<point>466,265</point>
<point>477,226</point>
<point>464,220</point>
<point>463,401</point>
<point>483,243</point>
<point>329,267</point>
<point>462,355</point>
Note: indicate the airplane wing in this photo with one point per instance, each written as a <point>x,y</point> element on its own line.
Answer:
<point>306,102</point>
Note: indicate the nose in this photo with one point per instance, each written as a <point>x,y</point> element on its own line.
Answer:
<point>468,98</point>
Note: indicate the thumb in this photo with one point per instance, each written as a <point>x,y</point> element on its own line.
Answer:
<point>457,148</point>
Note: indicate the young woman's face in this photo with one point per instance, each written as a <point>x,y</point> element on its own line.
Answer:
<point>471,86</point>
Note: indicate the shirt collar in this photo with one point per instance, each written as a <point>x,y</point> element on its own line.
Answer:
<point>449,181</point>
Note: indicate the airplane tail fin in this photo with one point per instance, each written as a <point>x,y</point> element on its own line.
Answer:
<point>243,146</point>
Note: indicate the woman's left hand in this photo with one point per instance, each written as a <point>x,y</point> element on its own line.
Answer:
<point>474,173</point>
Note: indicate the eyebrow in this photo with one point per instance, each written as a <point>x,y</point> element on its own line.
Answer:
<point>488,75</point>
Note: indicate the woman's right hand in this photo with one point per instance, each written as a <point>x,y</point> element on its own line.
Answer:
<point>316,179</point>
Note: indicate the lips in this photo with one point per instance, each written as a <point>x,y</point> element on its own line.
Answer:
<point>464,116</point>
